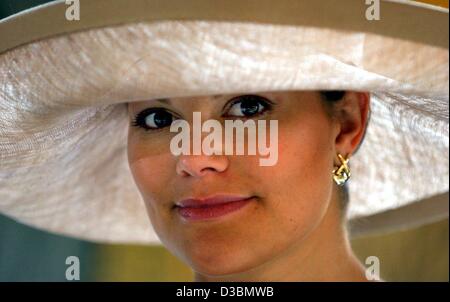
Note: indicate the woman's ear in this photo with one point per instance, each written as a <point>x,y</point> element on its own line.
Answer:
<point>351,114</point>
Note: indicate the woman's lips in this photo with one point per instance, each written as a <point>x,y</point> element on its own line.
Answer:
<point>213,207</point>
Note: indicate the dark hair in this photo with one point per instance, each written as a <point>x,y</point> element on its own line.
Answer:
<point>332,95</point>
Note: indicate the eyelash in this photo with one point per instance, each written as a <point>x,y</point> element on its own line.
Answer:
<point>267,104</point>
<point>139,119</point>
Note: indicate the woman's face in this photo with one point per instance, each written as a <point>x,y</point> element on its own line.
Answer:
<point>285,201</point>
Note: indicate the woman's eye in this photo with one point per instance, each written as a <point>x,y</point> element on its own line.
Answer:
<point>248,106</point>
<point>154,118</point>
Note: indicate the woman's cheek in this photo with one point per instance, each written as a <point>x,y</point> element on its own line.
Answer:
<point>151,170</point>
<point>152,177</point>
<point>299,185</point>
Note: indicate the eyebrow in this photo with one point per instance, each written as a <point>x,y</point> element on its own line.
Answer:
<point>164,100</point>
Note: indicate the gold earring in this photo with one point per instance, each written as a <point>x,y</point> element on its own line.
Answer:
<point>341,174</point>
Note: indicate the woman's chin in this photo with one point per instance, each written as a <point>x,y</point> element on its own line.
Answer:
<point>219,264</point>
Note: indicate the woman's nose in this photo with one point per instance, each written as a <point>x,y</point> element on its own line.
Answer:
<point>201,165</point>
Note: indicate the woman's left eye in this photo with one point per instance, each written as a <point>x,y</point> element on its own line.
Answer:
<point>248,106</point>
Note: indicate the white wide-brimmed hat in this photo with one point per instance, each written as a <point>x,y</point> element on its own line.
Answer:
<point>64,88</point>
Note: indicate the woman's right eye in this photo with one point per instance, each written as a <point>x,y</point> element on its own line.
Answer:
<point>153,119</point>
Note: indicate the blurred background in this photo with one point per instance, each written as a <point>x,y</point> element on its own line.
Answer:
<point>27,254</point>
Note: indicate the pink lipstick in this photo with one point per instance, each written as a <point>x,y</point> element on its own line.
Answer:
<point>195,209</point>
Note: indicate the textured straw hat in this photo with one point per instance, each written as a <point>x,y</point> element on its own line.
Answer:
<point>64,86</point>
